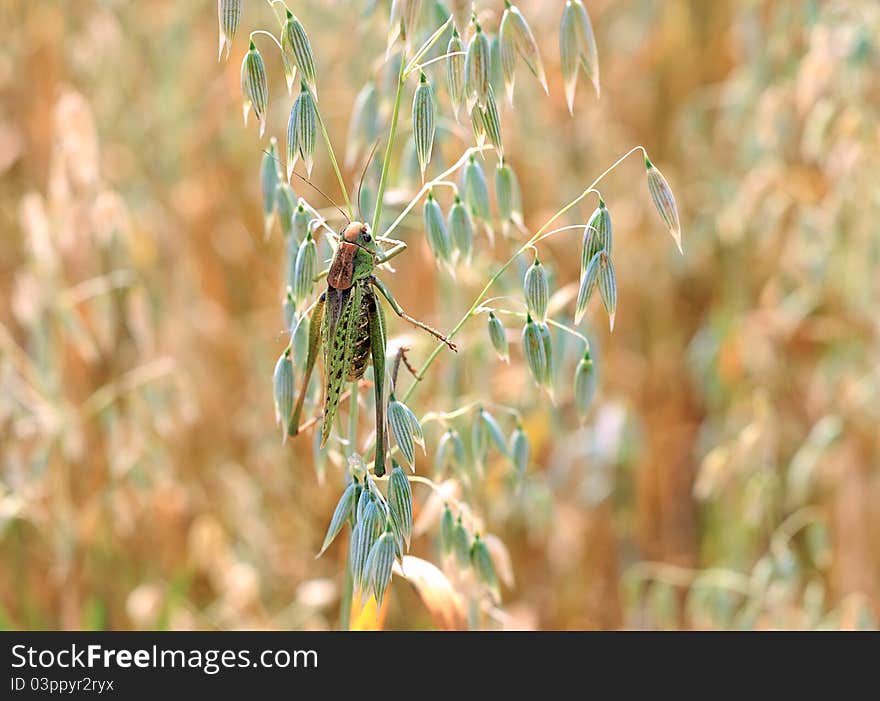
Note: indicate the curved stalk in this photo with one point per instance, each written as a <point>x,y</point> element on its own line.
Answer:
<point>537,235</point>
<point>440,179</point>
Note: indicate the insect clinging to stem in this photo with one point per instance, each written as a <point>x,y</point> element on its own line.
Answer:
<point>348,324</point>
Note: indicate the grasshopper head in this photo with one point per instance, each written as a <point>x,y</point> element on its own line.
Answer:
<point>358,233</point>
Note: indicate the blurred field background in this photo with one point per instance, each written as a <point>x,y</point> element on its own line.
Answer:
<point>730,473</point>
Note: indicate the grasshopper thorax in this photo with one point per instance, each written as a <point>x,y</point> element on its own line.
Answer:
<point>355,232</point>
<point>354,256</point>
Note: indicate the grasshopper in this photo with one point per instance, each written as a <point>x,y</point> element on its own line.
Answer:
<point>348,323</point>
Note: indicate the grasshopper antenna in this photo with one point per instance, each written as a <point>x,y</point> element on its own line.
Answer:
<point>323,194</point>
<point>311,185</point>
<point>363,175</point>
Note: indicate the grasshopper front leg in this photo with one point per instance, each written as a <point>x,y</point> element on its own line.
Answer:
<point>314,345</point>
<point>377,350</point>
<point>386,293</point>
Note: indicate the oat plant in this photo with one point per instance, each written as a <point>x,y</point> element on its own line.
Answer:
<point>454,66</point>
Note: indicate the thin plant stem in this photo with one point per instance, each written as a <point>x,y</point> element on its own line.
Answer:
<point>273,4</point>
<point>420,66</point>
<point>523,315</point>
<point>440,179</point>
<point>414,61</point>
<point>553,232</point>
<point>466,409</point>
<point>332,155</point>
<point>263,32</point>
<point>459,505</point>
<point>386,160</point>
<point>395,114</point>
<point>537,235</point>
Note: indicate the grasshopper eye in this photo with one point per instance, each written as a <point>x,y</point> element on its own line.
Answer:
<point>367,238</point>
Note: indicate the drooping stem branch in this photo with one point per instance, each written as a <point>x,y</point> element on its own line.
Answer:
<point>447,416</point>
<point>440,179</point>
<point>420,66</point>
<point>522,315</point>
<point>263,32</point>
<point>537,235</point>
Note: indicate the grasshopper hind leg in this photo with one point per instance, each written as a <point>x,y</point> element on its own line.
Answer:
<point>377,347</point>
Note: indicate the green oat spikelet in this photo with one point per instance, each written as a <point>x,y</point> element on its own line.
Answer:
<point>492,121</point>
<point>400,501</point>
<point>664,201</point>
<point>302,132</point>
<point>424,122</point>
<point>406,430</point>
<point>477,67</point>
<point>285,207</point>
<point>377,568</point>
<point>517,38</point>
<point>436,231</point>
<point>534,350</point>
<point>478,125</point>
<point>519,451</point>
<point>447,531</point>
<point>493,430</point>
<point>283,387</point>
<point>589,54</point>
<point>403,23</point>
<point>589,279</point>
<point>584,385</point>
<point>455,65</point>
<point>536,289</point>
<point>577,47</point>
<point>343,513</point>
<point>597,235</point>
<point>483,566</point>
<point>288,309</point>
<point>229,16</point>
<point>508,194</point>
<point>476,191</point>
<point>305,269</point>
<point>607,286</point>
<point>450,450</point>
<point>365,497</point>
<point>269,179</point>
<point>300,225</point>
<point>461,544</point>
<point>254,87</point>
<point>461,229</point>
<point>546,339</point>
<point>507,54</point>
<point>479,439</point>
<point>365,533</point>
<point>496,75</point>
<point>498,336</point>
<point>296,51</point>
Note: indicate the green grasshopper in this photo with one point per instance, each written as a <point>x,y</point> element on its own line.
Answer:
<point>349,324</point>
